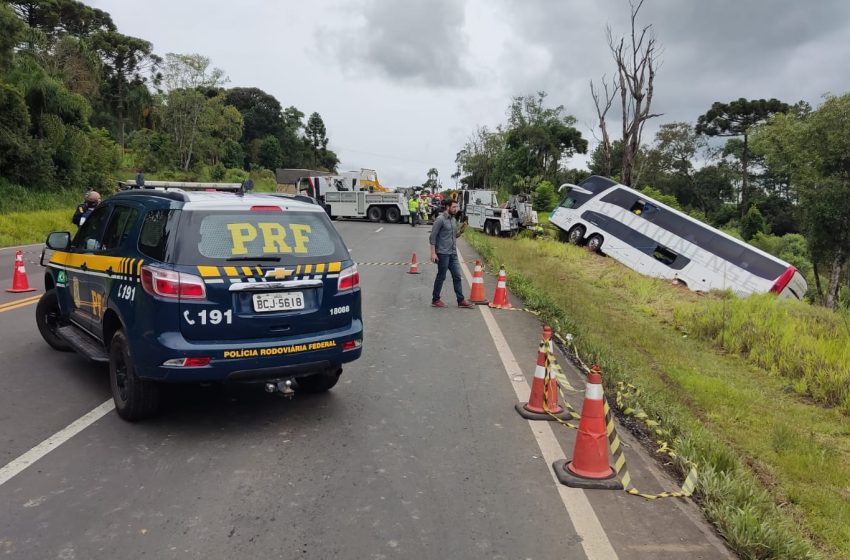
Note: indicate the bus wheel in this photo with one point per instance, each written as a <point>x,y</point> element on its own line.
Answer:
<point>374,214</point>
<point>393,215</point>
<point>576,235</point>
<point>595,243</point>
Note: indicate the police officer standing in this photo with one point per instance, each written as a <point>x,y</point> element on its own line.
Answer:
<point>83,211</point>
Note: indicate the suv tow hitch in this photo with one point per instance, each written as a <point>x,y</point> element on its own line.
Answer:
<point>285,388</point>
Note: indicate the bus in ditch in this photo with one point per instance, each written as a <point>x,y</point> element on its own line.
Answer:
<point>656,240</point>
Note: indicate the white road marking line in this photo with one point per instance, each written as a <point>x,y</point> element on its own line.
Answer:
<point>593,538</point>
<point>17,465</point>
<point>379,230</point>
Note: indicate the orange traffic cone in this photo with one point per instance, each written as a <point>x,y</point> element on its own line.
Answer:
<point>500,299</point>
<point>414,268</point>
<point>544,396</point>
<point>20,283</point>
<point>589,467</point>
<point>477,294</point>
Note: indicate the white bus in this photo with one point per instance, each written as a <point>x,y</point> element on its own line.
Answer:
<point>659,241</point>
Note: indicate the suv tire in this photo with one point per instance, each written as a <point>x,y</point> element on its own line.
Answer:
<point>47,316</point>
<point>320,382</point>
<point>135,398</point>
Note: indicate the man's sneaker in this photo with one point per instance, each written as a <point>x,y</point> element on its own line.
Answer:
<point>466,304</point>
<point>438,303</point>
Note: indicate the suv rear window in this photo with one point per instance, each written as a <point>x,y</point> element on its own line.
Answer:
<point>286,237</point>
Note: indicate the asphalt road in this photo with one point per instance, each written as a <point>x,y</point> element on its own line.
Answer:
<point>417,453</point>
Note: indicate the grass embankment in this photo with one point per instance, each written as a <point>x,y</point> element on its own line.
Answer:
<point>774,466</point>
<point>28,215</point>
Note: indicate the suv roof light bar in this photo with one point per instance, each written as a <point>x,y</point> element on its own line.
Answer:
<point>182,185</point>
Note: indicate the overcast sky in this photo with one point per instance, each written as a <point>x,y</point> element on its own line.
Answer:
<point>401,84</point>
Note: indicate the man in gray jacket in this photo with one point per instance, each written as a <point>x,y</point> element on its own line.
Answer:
<point>444,236</point>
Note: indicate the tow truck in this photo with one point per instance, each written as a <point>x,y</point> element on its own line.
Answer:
<point>482,211</point>
<point>344,196</point>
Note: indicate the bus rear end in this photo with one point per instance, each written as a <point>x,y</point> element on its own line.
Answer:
<point>790,285</point>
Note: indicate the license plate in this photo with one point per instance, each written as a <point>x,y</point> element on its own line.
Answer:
<point>280,301</point>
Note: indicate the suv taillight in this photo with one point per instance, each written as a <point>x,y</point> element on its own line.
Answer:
<point>163,283</point>
<point>348,279</point>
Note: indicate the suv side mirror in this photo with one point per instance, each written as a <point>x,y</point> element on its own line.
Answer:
<point>59,240</point>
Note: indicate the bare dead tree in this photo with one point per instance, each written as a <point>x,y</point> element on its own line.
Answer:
<point>602,108</point>
<point>637,64</point>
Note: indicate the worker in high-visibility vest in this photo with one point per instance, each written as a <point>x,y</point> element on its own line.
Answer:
<point>413,206</point>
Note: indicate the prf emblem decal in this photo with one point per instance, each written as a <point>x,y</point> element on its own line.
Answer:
<point>278,274</point>
<point>60,278</point>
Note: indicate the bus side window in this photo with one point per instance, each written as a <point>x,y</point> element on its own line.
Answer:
<point>642,208</point>
<point>637,207</point>
<point>664,255</point>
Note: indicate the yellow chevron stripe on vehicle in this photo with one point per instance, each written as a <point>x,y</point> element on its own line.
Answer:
<point>245,272</point>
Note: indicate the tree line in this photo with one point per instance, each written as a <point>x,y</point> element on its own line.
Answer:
<point>773,173</point>
<point>79,100</point>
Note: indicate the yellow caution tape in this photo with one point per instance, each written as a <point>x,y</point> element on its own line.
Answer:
<point>625,392</point>
<point>622,470</point>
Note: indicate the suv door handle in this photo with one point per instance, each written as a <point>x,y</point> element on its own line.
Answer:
<point>84,266</point>
<point>109,271</point>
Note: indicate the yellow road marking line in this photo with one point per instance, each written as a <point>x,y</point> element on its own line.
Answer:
<point>19,303</point>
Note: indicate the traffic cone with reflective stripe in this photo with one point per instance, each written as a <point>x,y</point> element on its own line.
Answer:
<point>589,467</point>
<point>500,299</point>
<point>543,402</point>
<point>20,283</point>
<point>414,268</point>
<point>477,294</point>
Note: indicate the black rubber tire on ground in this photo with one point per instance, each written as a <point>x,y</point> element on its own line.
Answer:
<point>576,235</point>
<point>135,398</point>
<point>47,319</point>
<point>487,228</point>
<point>393,215</point>
<point>374,214</point>
<point>594,243</point>
<point>497,229</point>
<point>319,382</point>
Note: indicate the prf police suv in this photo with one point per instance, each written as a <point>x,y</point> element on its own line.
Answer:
<point>172,286</point>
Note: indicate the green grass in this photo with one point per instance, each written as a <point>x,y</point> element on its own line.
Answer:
<point>774,467</point>
<point>808,345</point>
<point>23,228</point>
<point>27,215</point>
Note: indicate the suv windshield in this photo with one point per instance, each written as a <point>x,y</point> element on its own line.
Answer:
<point>285,237</point>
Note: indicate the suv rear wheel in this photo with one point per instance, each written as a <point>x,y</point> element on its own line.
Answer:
<point>47,316</point>
<point>135,398</point>
<point>320,382</point>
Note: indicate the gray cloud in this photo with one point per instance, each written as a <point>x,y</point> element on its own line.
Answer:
<point>712,51</point>
<point>415,41</point>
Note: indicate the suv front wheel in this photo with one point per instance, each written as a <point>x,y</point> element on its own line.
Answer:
<point>47,319</point>
<point>135,398</point>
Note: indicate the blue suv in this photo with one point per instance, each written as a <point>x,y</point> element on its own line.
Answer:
<point>175,286</point>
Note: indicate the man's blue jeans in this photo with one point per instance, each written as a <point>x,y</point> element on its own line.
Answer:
<point>452,264</point>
